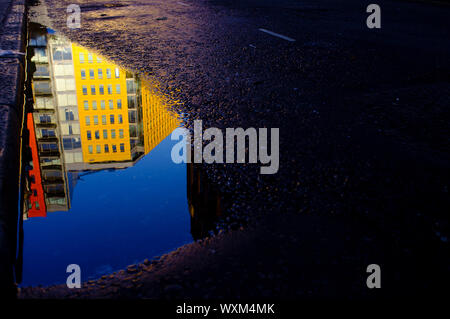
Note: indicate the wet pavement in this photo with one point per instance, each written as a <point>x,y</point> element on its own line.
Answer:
<point>363,120</point>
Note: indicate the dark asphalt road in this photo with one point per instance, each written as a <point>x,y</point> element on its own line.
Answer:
<point>363,113</point>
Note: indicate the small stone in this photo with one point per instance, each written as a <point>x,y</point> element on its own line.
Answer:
<point>131,269</point>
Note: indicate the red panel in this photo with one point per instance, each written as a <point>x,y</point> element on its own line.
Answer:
<point>38,208</point>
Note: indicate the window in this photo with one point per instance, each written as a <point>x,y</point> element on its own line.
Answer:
<point>89,135</point>
<point>111,119</point>
<point>99,149</point>
<point>42,70</point>
<point>69,115</point>
<point>42,87</point>
<point>61,85</point>
<point>108,73</point>
<point>48,133</point>
<point>132,116</point>
<point>62,99</point>
<point>94,105</point>
<point>104,119</point>
<point>109,88</point>
<point>114,148</point>
<point>118,88</point>
<point>72,99</point>
<point>65,85</point>
<point>95,120</point>
<point>102,104</point>
<point>99,60</point>
<point>84,90</point>
<point>113,133</point>
<point>106,148</point>
<point>48,147</point>
<point>58,69</point>
<point>87,120</point>
<point>111,104</point>
<point>122,147</point>
<point>40,55</point>
<point>83,74</point>
<point>44,102</point>
<point>38,40</point>
<point>131,87</point>
<point>60,54</point>
<point>97,135</point>
<point>90,58</point>
<point>120,133</point>
<point>100,73</point>
<point>133,131</point>
<point>49,162</point>
<point>81,57</point>
<point>105,134</point>
<point>91,149</point>
<point>93,89</point>
<point>101,89</point>
<point>86,105</point>
<point>71,143</point>
<point>120,119</point>
<point>91,74</point>
<point>117,72</point>
<point>119,104</point>
<point>131,102</point>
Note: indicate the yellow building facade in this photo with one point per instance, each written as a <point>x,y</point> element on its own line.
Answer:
<point>102,107</point>
<point>158,121</point>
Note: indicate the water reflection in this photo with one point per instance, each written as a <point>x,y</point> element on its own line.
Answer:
<point>204,202</point>
<point>90,124</point>
<point>88,115</point>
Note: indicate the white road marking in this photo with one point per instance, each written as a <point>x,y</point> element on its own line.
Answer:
<point>277,35</point>
<point>183,4</point>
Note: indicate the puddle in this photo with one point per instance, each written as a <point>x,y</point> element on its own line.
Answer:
<point>99,188</point>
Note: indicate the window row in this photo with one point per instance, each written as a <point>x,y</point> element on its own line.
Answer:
<point>100,73</point>
<point>90,58</point>
<point>103,104</point>
<point>101,89</point>
<point>105,134</point>
<point>98,148</point>
<point>111,119</point>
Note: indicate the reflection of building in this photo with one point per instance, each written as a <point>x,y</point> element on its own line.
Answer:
<point>62,70</point>
<point>204,202</point>
<point>46,132</point>
<point>157,123</point>
<point>102,105</point>
<point>88,115</point>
